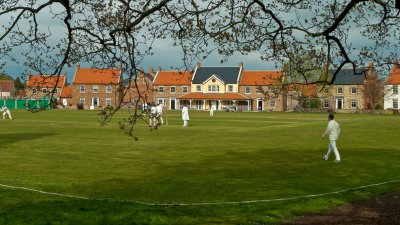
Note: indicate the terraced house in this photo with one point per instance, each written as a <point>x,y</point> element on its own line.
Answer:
<point>43,86</point>
<point>228,88</point>
<point>392,95</point>
<point>95,88</point>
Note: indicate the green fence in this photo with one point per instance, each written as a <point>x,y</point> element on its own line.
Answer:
<point>25,104</point>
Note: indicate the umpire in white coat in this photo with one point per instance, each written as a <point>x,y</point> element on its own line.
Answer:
<point>333,130</point>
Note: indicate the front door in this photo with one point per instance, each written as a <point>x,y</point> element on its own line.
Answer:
<point>339,103</point>
<point>260,105</point>
<point>95,101</point>
<point>172,104</point>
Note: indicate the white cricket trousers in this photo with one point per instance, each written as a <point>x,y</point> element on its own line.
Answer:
<point>7,113</point>
<point>332,147</point>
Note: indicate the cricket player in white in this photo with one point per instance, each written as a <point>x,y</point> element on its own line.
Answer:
<point>160,110</point>
<point>185,115</point>
<point>213,107</point>
<point>5,111</point>
<point>153,114</point>
<point>333,130</point>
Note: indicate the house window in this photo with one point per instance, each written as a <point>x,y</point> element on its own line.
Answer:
<point>272,103</point>
<point>95,89</point>
<point>44,90</point>
<point>248,90</point>
<point>339,90</point>
<point>82,89</point>
<point>198,87</point>
<point>230,88</point>
<point>271,88</point>
<point>184,89</point>
<point>82,101</point>
<point>259,89</point>
<point>55,90</point>
<point>34,91</point>
<point>395,104</point>
<point>173,89</point>
<point>353,90</point>
<point>353,104</point>
<point>160,89</point>
<point>108,102</point>
<point>108,89</point>
<point>213,88</point>
<point>395,89</point>
<point>326,103</point>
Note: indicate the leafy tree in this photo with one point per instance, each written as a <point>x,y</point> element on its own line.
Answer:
<point>19,85</point>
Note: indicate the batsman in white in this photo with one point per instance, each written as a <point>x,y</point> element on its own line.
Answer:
<point>6,111</point>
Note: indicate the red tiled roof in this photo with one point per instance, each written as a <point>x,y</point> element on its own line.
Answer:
<point>394,77</point>
<point>216,96</point>
<point>260,77</point>
<point>173,78</point>
<point>6,85</point>
<point>307,90</point>
<point>46,81</point>
<point>97,76</point>
<point>66,92</point>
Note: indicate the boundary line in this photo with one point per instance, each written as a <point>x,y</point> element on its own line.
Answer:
<point>199,203</point>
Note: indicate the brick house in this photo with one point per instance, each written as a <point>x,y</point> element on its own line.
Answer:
<point>263,87</point>
<point>66,96</point>
<point>43,86</point>
<point>169,86</point>
<point>392,95</point>
<point>96,88</point>
<point>7,89</point>
<point>139,91</point>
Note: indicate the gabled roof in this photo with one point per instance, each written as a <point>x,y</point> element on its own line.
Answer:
<point>66,92</point>
<point>260,77</point>
<point>394,77</point>
<point>48,81</point>
<point>215,96</point>
<point>97,76</point>
<point>173,78</point>
<point>228,74</point>
<point>306,90</point>
<point>6,85</point>
<point>347,76</point>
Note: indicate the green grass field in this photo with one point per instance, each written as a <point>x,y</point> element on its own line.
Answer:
<point>204,174</point>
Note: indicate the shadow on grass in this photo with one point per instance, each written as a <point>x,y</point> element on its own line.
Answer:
<point>11,138</point>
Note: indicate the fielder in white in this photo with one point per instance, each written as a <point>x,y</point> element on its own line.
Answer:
<point>152,116</point>
<point>333,130</point>
<point>213,107</point>
<point>160,111</point>
<point>185,115</point>
<point>5,111</point>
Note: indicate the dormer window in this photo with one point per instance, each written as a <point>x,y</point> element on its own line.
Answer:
<point>213,88</point>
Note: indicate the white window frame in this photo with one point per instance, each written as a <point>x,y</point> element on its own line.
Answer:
<point>34,91</point>
<point>353,103</point>
<point>213,88</point>
<point>82,101</point>
<point>230,88</point>
<point>55,90</point>
<point>82,89</point>
<point>198,87</point>
<point>44,90</point>
<point>95,88</point>
<point>395,89</point>
<point>160,89</point>
<point>172,89</point>
<point>259,89</point>
<point>108,89</point>
<point>326,103</point>
<point>339,92</point>
<point>272,103</point>
<point>395,103</point>
<point>247,90</point>
<point>353,90</point>
<point>108,100</point>
<point>184,89</point>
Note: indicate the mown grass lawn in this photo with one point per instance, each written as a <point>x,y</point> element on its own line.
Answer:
<point>204,174</point>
